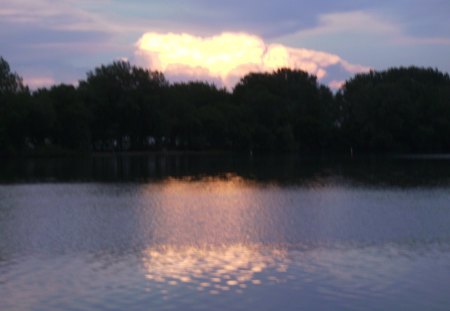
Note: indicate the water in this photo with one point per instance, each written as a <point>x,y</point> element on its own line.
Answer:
<point>225,233</point>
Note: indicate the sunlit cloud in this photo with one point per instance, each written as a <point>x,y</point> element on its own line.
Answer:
<point>229,56</point>
<point>70,37</point>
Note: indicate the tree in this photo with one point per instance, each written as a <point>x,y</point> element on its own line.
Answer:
<point>198,116</point>
<point>14,97</point>
<point>124,100</point>
<point>398,110</point>
<point>10,82</point>
<point>286,110</point>
<point>70,126</point>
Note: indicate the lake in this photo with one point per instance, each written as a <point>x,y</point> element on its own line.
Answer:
<point>225,232</point>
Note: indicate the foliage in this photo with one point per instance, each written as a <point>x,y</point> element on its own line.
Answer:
<point>286,110</point>
<point>124,103</point>
<point>14,100</point>
<point>398,110</point>
<point>10,82</point>
<point>120,107</point>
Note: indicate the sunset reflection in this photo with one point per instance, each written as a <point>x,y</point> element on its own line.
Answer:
<point>208,232</point>
<point>214,269</point>
<point>203,212</point>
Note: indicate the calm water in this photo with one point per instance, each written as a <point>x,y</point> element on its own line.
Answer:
<point>225,233</point>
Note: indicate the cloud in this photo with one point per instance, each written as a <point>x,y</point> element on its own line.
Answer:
<point>70,37</point>
<point>336,84</point>
<point>229,56</point>
<point>354,21</point>
<point>377,37</point>
<point>366,24</point>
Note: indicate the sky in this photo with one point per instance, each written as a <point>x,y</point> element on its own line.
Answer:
<point>58,41</point>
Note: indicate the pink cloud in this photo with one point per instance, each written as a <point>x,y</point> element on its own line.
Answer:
<point>336,84</point>
<point>229,56</point>
<point>35,82</point>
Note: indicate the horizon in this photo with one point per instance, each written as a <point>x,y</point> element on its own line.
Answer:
<point>173,81</point>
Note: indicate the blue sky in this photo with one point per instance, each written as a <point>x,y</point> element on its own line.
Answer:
<point>51,41</point>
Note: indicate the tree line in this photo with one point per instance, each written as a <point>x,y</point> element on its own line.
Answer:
<point>121,107</point>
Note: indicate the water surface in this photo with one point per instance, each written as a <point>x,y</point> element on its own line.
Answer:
<point>224,232</point>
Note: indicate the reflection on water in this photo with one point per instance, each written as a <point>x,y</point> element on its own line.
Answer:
<point>213,269</point>
<point>283,236</point>
<point>207,226</point>
<point>208,211</point>
<point>402,171</point>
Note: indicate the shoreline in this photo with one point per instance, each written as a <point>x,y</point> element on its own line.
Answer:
<point>61,154</point>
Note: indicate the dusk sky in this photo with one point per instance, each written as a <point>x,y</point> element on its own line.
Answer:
<point>58,41</point>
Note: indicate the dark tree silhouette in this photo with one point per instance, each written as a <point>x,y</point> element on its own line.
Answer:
<point>199,116</point>
<point>10,82</point>
<point>14,100</point>
<point>120,107</point>
<point>286,110</point>
<point>398,110</point>
<point>124,102</point>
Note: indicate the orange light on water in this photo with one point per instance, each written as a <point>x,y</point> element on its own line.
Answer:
<point>207,236</point>
<point>213,269</point>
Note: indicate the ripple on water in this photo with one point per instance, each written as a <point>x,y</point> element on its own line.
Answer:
<point>222,244</point>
